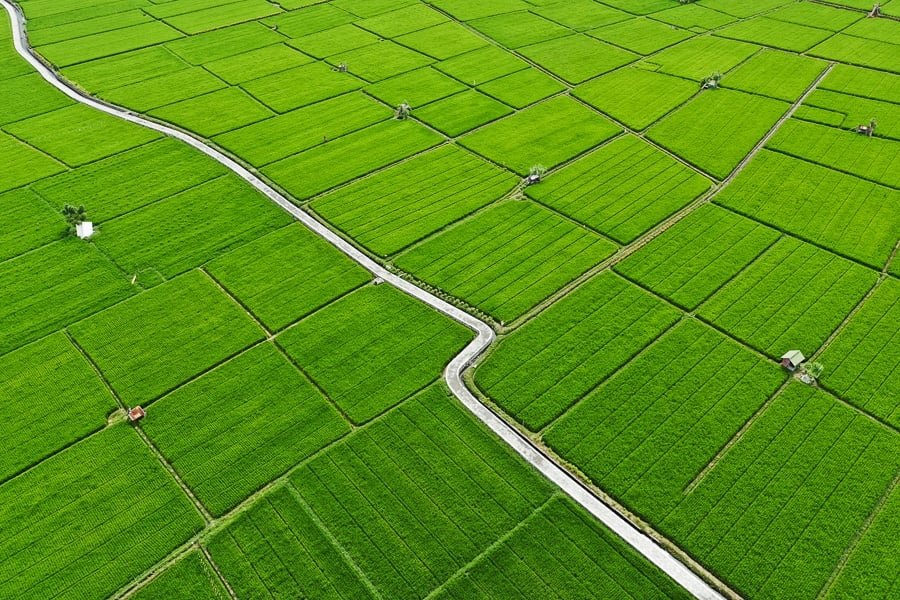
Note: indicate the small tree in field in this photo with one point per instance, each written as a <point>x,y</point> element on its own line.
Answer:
<point>74,215</point>
<point>403,111</point>
<point>815,370</point>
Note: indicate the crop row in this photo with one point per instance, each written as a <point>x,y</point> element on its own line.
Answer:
<point>508,258</point>
<point>847,112</point>
<point>191,577</point>
<point>622,190</point>
<point>394,208</point>
<point>552,361</point>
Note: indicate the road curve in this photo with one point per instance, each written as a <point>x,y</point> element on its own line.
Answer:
<point>527,449</point>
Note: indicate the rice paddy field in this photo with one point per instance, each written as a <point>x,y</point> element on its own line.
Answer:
<point>649,202</point>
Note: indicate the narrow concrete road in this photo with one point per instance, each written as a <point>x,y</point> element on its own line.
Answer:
<point>570,484</point>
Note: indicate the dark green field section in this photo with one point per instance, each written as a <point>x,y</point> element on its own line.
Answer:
<point>558,170</point>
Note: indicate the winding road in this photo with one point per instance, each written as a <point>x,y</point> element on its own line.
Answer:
<point>453,374</point>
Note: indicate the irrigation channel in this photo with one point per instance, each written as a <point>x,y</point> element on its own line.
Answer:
<point>453,374</point>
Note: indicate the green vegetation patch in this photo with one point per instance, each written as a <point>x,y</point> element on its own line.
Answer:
<point>287,274</point>
<point>78,134</point>
<point>580,15</point>
<point>517,29</point>
<point>28,96</point>
<point>508,258</point>
<point>743,9</point>
<point>694,17</point>
<point>257,63</point>
<point>308,19</point>
<point>875,159</point>
<point>191,577</point>
<point>403,204</point>
<point>179,85</point>
<point>467,10</point>
<point>34,223</point>
<point>129,180</point>
<point>859,51</point>
<point>850,216</point>
<point>577,58</point>
<point>227,439</point>
<point>23,164</point>
<point>586,559</point>
<point>277,550</point>
<point>700,57</point>
<point>777,34</point>
<point>482,65</point>
<point>462,112</point>
<point>108,43</point>
<point>816,15</point>
<point>415,88</point>
<point>301,86</point>
<point>641,35</point>
<point>649,430</point>
<point>523,88</point>
<point>775,74</point>
<point>636,97</point>
<point>862,364</point>
<point>848,112</point>
<point>621,190</point>
<point>867,83</point>
<point>373,348</point>
<point>791,298</point>
<point>317,170</point>
<point>223,15</point>
<point>222,43</point>
<point>545,134</point>
<point>51,398</point>
<point>104,506</point>
<point>214,113</point>
<point>442,41</point>
<point>542,369</point>
<point>342,38</point>
<point>413,17</point>
<point>190,228</point>
<point>697,256</point>
<point>380,61</point>
<point>775,515</point>
<point>164,337</point>
<point>125,69</point>
<point>76,28</point>
<point>301,129</point>
<point>45,290</point>
<point>419,494</point>
<point>718,128</point>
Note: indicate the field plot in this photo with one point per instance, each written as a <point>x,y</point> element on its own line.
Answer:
<point>51,398</point>
<point>36,223</point>
<point>286,275</point>
<point>380,61</point>
<point>160,339</point>
<point>419,494</point>
<point>621,190</point>
<point>155,92</point>
<point>301,86</point>
<point>586,560</point>
<point>27,96</point>
<point>548,134</point>
<point>874,159</point>
<point>777,34</point>
<point>225,42</point>
<point>214,113</point>
<point>463,112</point>
<point>482,65</point>
<point>693,17</point>
<point>403,204</point>
<point>642,35</point>
<point>850,216</point>
<point>373,348</point>
<point>517,29</point>
<point>647,432</point>
<point>636,97</point>
<point>700,57</point>
<point>791,298</point>
<point>250,436</point>
<point>77,134</point>
<point>859,51</point>
<point>697,256</point>
<point>523,88</point>
<point>129,68</point>
<point>865,83</point>
<point>214,17</point>
<point>442,41</point>
<point>871,569</point>
<point>742,8</point>
<point>507,259</point>
<point>85,522</point>
<point>405,19</point>
<point>108,43</point>
<point>319,169</point>
<point>276,550</point>
<point>191,577</point>
<point>23,164</point>
<point>847,112</point>
<point>580,15</point>
<point>415,87</point>
<point>257,63</point>
<point>577,58</point>
<point>775,74</point>
<point>130,180</point>
<point>717,129</point>
<point>45,290</point>
<point>535,375</point>
<point>329,42</point>
<point>816,15</point>
<point>191,228</point>
<point>775,514</point>
<point>863,362</point>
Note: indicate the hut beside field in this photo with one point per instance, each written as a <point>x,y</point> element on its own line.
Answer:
<point>792,359</point>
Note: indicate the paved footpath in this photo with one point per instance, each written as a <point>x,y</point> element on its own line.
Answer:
<point>570,484</point>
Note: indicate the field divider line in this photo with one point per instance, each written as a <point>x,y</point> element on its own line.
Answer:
<point>527,449</point>
<point>217,571</point>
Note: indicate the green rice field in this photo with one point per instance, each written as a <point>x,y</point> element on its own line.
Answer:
<point>649,203</point>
